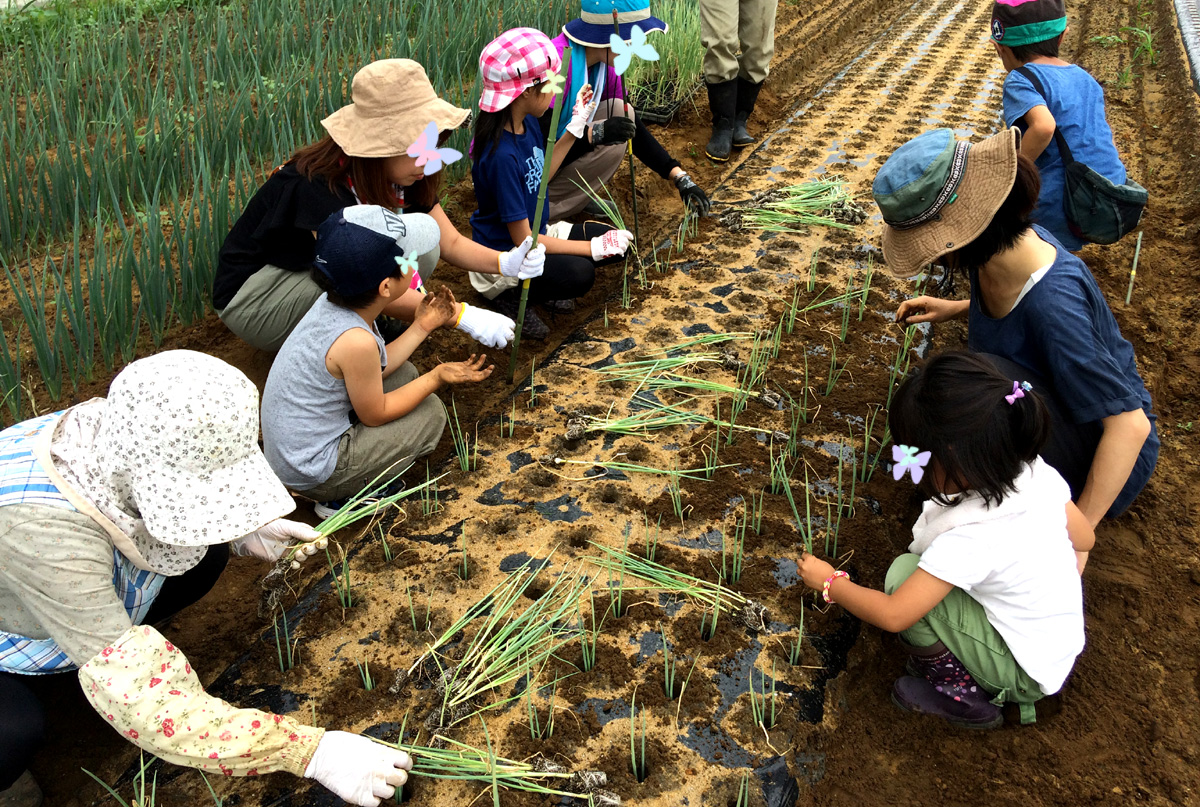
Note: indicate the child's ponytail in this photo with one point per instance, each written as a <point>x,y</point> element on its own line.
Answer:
<point>980,426</point>
<point>1029,419</point>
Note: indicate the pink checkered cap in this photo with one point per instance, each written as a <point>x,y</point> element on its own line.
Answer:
<point>513,62</point>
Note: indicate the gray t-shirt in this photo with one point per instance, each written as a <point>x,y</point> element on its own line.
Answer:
<point>305,410</point>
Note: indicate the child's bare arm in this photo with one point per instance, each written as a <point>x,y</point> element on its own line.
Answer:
<point>355,357</point>
<point>1040,131</point>
<point>437,309</point>
<point>891,612</point>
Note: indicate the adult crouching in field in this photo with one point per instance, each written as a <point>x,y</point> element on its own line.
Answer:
<point>114,515</point>
<point>263,287</point>
<point>739,41</point>
<point>594,158</point>
<point>1034,307</point>
<point>507,164</point>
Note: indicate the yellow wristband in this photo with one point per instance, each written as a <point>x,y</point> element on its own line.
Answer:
<point>461,314</point>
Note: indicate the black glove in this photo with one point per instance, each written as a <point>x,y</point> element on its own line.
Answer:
<point>691,194</point>
<point>612,131</point>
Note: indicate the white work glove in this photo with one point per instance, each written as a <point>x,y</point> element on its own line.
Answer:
<point>357,769</point>
<point>611,245</point>
<point>582,112</point>
<point>522,262</point>
<point>271,541</point>
<point>486,327</point>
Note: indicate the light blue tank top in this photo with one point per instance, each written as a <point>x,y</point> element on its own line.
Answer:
<point>305,410</point>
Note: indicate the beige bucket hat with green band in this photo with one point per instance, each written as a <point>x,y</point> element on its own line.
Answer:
<point>937,194</point>
<point>393,102</point>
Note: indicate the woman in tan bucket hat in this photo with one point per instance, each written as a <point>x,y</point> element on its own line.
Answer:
<point>262,286</point>
<point>1034,308</point>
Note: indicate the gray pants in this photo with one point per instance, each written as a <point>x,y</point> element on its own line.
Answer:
<point>592,169</point>
<point>365,452</point>
<point>727,26</point>
<point>271,303</point>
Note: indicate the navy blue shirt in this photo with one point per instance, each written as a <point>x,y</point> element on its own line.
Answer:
<point>507,177</point>
<point>1077,103</point>
<point>1064,331</point>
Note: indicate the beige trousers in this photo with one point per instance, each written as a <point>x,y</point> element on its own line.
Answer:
<point>272,301</point>
<point>592,169</point>
<point>365,452</point>
<point>727,26</point>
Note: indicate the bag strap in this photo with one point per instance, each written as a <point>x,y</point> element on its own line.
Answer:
<point>1063,149</point>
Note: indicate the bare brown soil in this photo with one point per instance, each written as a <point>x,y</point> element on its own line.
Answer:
<point>851,82</point>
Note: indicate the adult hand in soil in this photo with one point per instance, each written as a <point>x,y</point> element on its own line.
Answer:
<point>693,195</point>
<point>522,262</point>
<point>612,244</point>
<point>436,309</point>
<point>814,571</point>
<point>612,131</point>
<point>269,542</point>
<point>486,327</point>
<point>583,109</point>
<point>930,309</point>
<point>465,372</point>
<point>357,769</point>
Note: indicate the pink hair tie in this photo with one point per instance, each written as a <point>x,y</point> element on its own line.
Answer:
<point>1019,390</point>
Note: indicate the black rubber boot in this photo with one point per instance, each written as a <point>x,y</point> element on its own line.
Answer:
<point>722,98</point>
<point>747,95</point>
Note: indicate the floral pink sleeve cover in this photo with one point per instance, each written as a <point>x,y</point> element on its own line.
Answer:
<point>147,690</point>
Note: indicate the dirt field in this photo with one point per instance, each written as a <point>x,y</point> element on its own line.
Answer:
<point>848,87</point>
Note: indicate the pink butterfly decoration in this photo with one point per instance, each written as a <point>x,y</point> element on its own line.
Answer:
<point>428,155</point>
<point>907,458</point>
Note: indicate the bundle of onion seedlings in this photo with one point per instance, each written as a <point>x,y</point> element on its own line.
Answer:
<point>446,758</point>
<point>653,416</point>
<point>506,647</point>
<point>746,612</point>
<point>366,504</point>
<point>825,203</point>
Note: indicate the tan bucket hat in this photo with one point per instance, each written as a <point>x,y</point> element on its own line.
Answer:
<point>393,102</point>
<point>937,194</point>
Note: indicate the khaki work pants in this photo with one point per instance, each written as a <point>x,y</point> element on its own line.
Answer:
<point>364,452</point>
<point>730,26</point>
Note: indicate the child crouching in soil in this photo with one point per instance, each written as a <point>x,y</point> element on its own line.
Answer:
<point>340,407</point>
<point>507,164</point>
<point>988,603</point>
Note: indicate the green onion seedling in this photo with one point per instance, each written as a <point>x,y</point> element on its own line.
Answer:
<point>743,796</point>
<point>286,642</point>
<point>862,300</point>
<point>364,672</point>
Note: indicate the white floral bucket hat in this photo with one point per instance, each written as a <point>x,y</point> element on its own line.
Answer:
<point>179,441</point>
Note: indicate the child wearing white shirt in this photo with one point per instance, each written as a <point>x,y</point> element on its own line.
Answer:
<point>988,602</point>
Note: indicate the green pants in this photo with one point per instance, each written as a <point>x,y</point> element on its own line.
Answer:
<point>959,622</point>
<point>365,452</point>
<point>738,38</point>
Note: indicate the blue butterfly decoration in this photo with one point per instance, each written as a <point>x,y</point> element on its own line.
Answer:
<point>637,46</point>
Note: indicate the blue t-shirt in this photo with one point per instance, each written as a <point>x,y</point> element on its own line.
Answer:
<point>1064,331</point>
<point>1077,103</point>
<point>507,177</point>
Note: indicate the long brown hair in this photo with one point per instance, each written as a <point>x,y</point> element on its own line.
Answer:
<point>325,159</point>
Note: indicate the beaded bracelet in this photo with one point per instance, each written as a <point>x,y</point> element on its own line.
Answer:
<point>828,581</point>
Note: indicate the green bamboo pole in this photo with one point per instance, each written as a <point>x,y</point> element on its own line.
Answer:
<point>537,215</point>
<point>637,233</point>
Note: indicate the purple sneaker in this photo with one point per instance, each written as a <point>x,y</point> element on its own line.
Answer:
<point>942,686</point>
